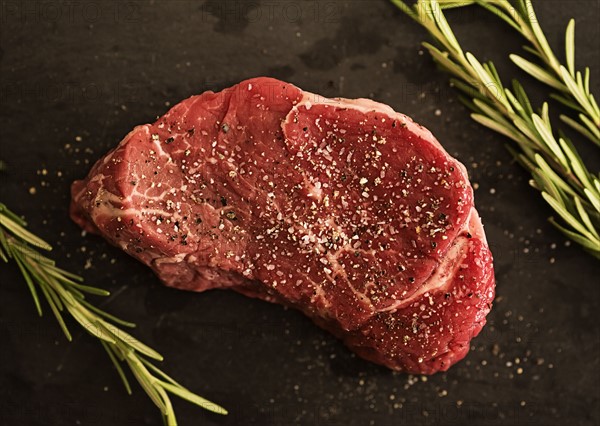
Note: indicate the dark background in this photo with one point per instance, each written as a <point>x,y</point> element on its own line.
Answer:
<point>76,76</point>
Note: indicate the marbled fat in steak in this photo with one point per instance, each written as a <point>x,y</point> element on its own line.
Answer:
<point>343,209</point>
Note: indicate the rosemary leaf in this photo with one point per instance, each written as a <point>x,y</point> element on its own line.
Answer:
<point>30,284</point>
<point>548,138</point>
<point>536,72</point>
<point>17,229</point>
<point>593,129</point>
<point>523,99</point>
<point>487,81</point>
<point>110,351</point>
<point>493,125</point>
<point>555,177</point>
<point>570,46</point>
<point>568,217</point>
<point>65,293</point>
<point>195,399</point>
<point>50,299</point>
<point>594,200</point>
<point>558,171</point>
<point>145,379</point>
<point>131,341</point>
<point>590,246</point>
<point>106,315</point>
<point>579,128</point>
<point>586,219</point>
<point>574,88</point>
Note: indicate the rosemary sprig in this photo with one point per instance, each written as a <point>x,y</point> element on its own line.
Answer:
<point>557,169</point>
<point>573,86</point>
<point>65,292</point>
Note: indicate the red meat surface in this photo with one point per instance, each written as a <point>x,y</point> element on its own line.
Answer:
<point>343,209</point>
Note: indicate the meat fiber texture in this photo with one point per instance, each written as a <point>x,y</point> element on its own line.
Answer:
<point>343,209</point>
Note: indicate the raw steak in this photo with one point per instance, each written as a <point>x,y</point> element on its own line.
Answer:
<point>343,209</point>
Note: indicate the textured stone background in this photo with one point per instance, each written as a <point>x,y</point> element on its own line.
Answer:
<point>76,76</point>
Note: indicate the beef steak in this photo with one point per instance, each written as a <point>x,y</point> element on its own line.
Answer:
<point>343,209</point>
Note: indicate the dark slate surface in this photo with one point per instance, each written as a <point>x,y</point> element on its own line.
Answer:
<point>76,76</point>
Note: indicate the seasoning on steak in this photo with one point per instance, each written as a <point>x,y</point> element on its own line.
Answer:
<point>343,209</point>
